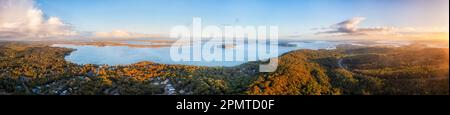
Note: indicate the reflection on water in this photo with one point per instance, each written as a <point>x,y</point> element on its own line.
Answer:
<point>122,55</point>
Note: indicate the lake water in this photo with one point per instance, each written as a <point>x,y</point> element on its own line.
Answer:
<point>122,55</point>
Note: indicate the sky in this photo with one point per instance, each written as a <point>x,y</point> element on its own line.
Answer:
<point>300,18</point>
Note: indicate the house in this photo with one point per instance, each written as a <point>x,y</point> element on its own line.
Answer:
<point>169,89</point>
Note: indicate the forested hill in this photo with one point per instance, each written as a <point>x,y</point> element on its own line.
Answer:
<point>410,70</point>
<point>36,69</point>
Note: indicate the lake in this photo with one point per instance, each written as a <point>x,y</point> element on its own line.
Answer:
<point>123,55</point>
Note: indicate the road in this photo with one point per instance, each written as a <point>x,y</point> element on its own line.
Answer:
<point>341,65</point>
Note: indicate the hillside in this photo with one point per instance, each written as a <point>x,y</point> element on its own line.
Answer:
<point>407,70</point>
<point>36,69</point>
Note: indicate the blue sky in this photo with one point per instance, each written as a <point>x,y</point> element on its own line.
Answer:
<point>292,16</point>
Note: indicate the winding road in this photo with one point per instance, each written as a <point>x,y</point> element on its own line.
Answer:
<point>340,64</point>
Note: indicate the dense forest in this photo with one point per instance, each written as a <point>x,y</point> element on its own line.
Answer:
<point>29,68</point>
<point>355,70</point>
<point>37,69</point>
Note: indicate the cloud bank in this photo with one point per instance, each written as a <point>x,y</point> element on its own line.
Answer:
<point>121,34</point>
<point>351,27</point>
<point>21,19</point>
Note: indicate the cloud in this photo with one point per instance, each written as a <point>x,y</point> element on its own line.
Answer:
<point>351,26</point>
<point>21,19</point>
<point>121,34</point>
<point>350,30</point>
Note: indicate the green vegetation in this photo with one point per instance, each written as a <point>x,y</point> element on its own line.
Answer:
<point>408,70</point>
<point>405,70</point>
<point>36,69</point>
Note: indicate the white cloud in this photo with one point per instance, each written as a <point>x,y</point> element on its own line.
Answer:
<point>21,19</point>
<point>121,34</point>
<point>349,29</point>
<point>351,26</point>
